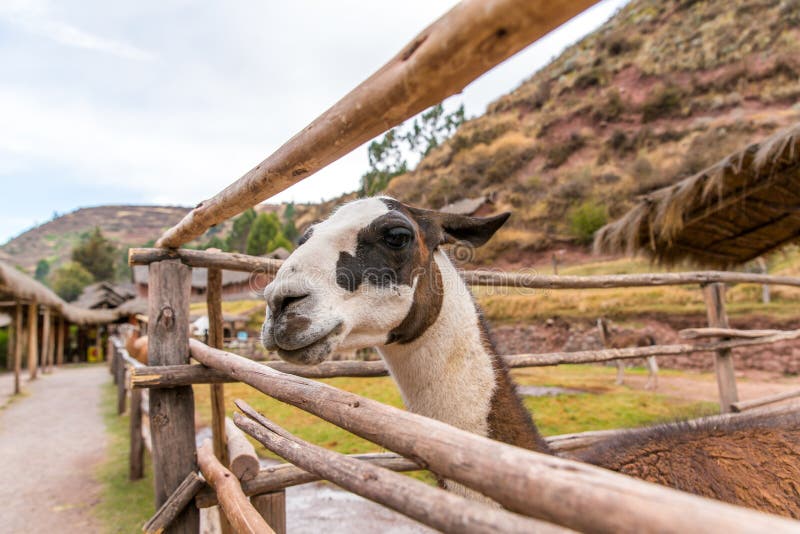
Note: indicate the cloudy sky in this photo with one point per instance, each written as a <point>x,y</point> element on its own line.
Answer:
<point>168,101</point>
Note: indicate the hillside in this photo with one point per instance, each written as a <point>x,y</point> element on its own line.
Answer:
<point>126,225</point>
<point>662,90</point>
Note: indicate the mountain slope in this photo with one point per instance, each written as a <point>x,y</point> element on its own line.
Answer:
<point>127,226</point>
<point>661,91</point>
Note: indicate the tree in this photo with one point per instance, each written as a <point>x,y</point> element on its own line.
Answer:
<point>237,239</point>
<point>289,228</point>
<point>279,241</point>
<point>69,280</point>
<point>215,242</point>
<point>263,230</point>
<point>387,157</point>
<point>432,127</point>
<point>42,270</point>
<point>97,254</point>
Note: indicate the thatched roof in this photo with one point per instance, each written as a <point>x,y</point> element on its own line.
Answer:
<point>105,295</point>
<point>744,206</point>
<point>18,286</point>
<point>466,206</point>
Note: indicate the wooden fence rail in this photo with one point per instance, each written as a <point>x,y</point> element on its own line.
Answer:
<point>183,375</point>
<point>605,502</point>
<point>439,509</point>
<point>467,41</point>
<point>279,477</point>
<point>533,280</point>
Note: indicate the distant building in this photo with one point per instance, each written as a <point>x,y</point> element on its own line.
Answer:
<point>476,207</point>
<point>235,285</point>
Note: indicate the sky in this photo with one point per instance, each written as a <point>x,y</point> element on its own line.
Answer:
<point>169,101</point>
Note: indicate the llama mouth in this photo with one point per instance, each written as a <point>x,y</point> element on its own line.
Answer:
<point>314,352</point>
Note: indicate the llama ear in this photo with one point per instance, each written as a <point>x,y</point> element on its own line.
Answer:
<point>474,230</point>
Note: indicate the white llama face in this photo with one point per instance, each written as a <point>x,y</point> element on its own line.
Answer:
<point>364,277</point>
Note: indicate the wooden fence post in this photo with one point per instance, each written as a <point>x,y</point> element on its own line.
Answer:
<point>171,410</point>
<point>136,456</point>
<point>33,341</point>
<point>62,335</point>
<point>46,333</point>
<point>272,507</point>
<point>714,295</point>
<point>121,394</point>
<point>18,338</point>
<point>215,339</point>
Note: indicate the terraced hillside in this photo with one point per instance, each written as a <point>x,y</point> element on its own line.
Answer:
<point>661,91</point>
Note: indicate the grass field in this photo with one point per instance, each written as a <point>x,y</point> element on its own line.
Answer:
<point>125,505</point>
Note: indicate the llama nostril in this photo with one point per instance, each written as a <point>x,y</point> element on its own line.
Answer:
<point>280,304</point>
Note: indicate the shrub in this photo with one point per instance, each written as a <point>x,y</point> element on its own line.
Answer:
<point>557,155</point>
<point>610,109</point>
<point>662,102</point>
<point>69,280</point>
<point>586,219</point>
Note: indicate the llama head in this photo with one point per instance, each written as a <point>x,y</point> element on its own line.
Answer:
<point>364,277</point>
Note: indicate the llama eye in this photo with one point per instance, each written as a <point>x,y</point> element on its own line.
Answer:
<point>397,238</point>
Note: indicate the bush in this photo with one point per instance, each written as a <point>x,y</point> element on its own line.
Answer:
<point>69,280</point>
<point>611,109</point>
<point>662,102</point>
<point>560,153</point>
<point>586,219</point>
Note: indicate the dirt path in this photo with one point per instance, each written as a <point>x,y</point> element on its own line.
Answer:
<point>703,386</point>
<point>51,440</point>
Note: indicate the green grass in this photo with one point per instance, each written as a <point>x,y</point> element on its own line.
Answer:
<point>604,405</point>
<point>125,505</point>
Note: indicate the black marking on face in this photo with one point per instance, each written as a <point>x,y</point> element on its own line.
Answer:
<point>306,236</point>
<point>383,257</point>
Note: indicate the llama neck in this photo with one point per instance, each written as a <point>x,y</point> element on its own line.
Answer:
<point>452,373</point>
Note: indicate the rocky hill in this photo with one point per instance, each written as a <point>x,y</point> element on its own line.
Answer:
<point>662,90</point>
<point>128,226</point>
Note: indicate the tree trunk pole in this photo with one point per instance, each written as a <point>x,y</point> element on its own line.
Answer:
<point>18,338</point>
<point>723,361</point>
<point>215,339</point>
<point>98,343</point>
<point>47,334</point>
<point>33,341</point>
<point>62,327</point>
<point>11,343</point>
<point>171,410</point>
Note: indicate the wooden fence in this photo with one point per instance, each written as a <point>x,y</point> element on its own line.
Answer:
<point>280,380</point>
<point>539,493</point>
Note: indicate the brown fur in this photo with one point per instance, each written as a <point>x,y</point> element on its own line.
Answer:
<point>509,420</point>
<point>620,339</point>
<point>754,463</point>
<point>135,345</point>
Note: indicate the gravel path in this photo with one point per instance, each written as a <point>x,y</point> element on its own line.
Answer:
<point>51,441</point>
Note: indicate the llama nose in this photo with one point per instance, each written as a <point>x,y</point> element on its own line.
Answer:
<point>278,301</point>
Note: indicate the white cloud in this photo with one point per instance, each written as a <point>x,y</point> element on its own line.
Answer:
<point>34,17</point>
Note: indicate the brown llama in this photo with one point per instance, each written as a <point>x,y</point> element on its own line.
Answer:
<point>616,339</point>
<point>135,344</point>
<point>374,274</point>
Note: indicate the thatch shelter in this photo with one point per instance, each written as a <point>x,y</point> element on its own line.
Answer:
<point>746,205</point>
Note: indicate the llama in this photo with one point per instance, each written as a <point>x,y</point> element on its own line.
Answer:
<point>620,340</point>
<point>374,275</point>
<point>135,344</point>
